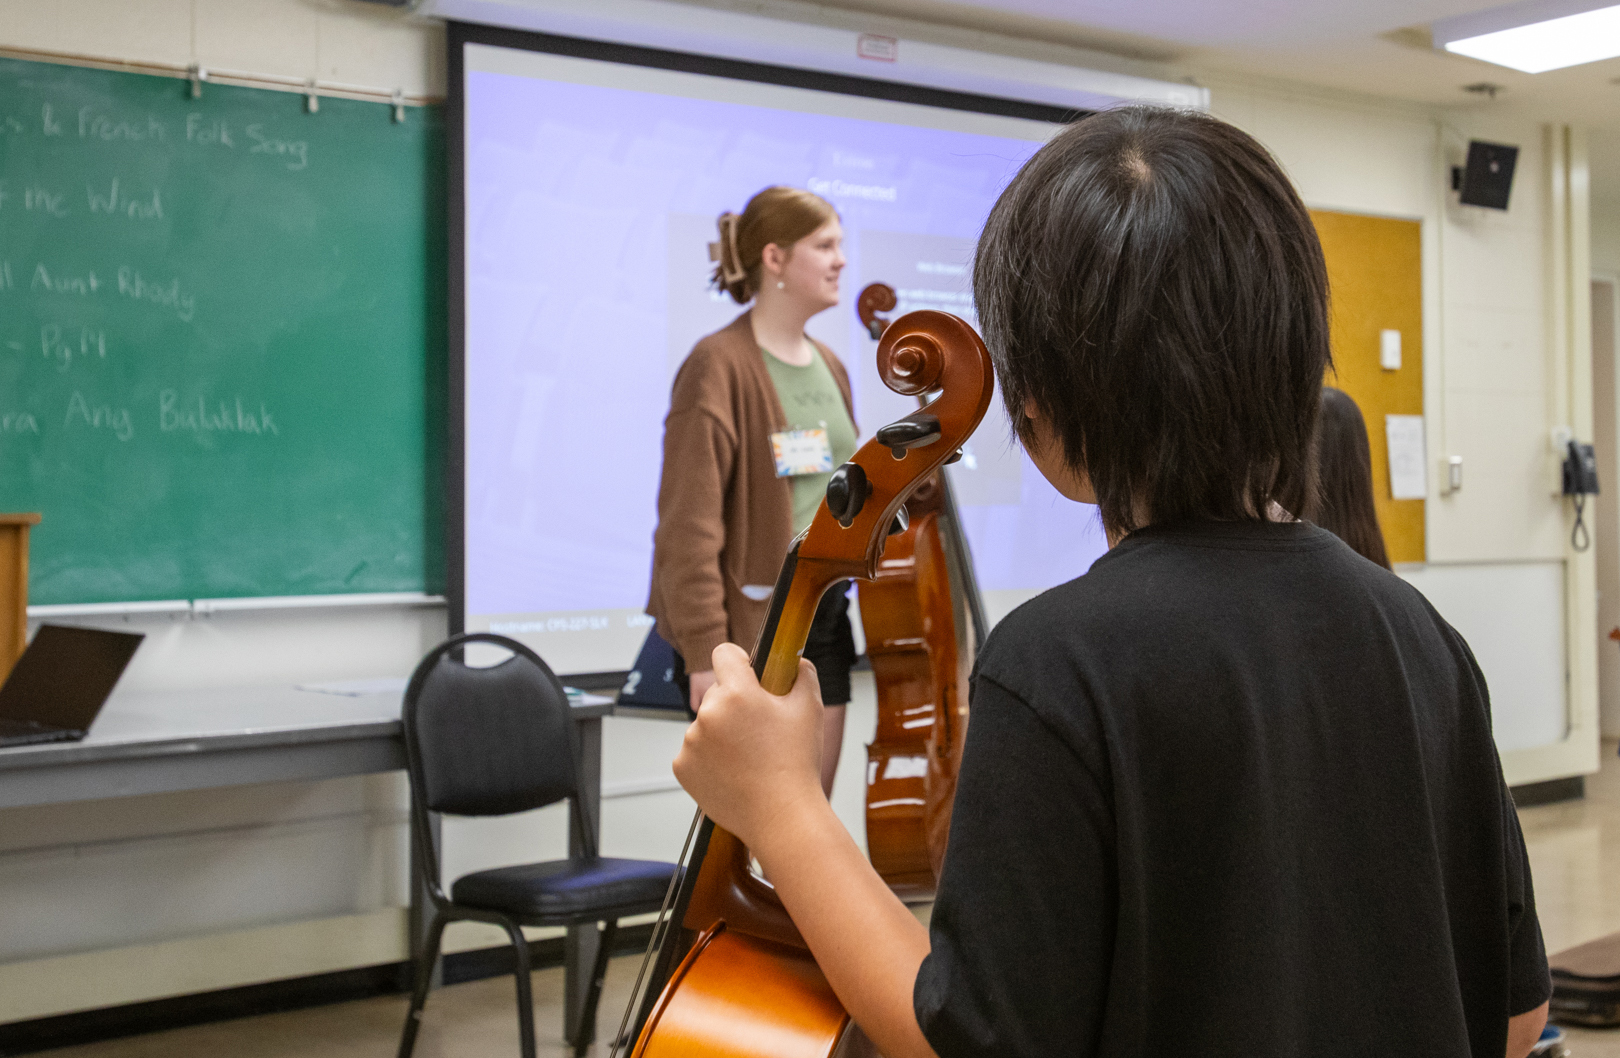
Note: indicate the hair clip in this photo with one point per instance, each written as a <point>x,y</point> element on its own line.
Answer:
<point>724,252</point>
<point>731,269</point>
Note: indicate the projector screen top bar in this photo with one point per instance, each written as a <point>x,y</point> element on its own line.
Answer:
<point>755,38</point>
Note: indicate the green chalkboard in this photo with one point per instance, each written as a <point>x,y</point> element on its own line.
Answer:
<point>221,338</point>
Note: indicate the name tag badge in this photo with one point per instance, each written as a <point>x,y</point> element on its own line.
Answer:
<point>801,452</point>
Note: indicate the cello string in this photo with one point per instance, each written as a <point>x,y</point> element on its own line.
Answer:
<point>660,931</point>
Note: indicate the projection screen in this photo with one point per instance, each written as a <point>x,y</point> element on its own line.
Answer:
<point>585,182</point>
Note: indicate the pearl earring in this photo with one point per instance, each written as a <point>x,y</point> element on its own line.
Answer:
<point>780,285</point>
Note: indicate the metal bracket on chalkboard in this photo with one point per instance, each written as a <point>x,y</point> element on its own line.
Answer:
<point>312,100</point>
<point>399,105</point>
<point>195,74</point>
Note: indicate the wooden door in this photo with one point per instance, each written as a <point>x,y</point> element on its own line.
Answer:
<point>1375,274</point>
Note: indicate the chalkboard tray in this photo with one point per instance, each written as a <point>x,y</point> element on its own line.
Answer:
<point>221,338</point>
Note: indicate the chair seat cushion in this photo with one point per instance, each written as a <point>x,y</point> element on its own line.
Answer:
<point>567,889</point>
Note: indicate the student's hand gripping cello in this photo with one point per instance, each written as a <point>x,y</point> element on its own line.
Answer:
<point>738,949</point>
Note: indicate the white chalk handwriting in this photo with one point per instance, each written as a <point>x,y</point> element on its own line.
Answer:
<point>45,281</point>
<point>63,346</point>
<point>81,413</point>
<point>18,422</point>
<point>214,416</point>
<point>164,293</point>
<point>117,201</point>
<point>295,151</point>
<point>210,132</point>
<point>95,125</point>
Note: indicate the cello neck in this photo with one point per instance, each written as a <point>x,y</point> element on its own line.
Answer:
<point>799,588</point>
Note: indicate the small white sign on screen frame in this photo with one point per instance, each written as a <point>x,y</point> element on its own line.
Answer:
<point>876,46</point>
<point>1408,463</point>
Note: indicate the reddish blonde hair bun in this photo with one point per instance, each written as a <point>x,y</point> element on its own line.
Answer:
<point>779,215</point>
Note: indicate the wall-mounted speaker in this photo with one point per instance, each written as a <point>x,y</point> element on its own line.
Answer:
<point>1487,179</point>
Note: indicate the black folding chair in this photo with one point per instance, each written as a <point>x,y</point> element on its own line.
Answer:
<point>493,741</point>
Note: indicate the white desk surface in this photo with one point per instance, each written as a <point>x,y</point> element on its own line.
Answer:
<point>158,724</point>
<point>192,739</point>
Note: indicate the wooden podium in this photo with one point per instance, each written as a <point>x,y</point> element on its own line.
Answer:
<point>13,587</point>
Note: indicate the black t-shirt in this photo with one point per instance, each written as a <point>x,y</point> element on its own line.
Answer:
<point>1232,792</point>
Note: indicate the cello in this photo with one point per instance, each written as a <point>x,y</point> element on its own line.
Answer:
<point>732,976</point>
<point>923,622</point>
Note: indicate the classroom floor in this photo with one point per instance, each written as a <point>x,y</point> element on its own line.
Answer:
<point>1575,860</point>
<point>1574,853</point>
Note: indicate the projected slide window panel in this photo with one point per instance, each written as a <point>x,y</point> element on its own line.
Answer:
<point>591,190</point>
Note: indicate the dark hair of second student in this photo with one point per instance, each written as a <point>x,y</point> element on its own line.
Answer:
<point>1152,280</point>
<point>1343,504</point>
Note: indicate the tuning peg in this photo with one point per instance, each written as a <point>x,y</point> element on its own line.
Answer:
<point>902,521</point>
<point>847,491</point>
<point>956,457</point>
<point>911,432</point>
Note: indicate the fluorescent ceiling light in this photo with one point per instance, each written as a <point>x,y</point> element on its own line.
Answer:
<point>1535,44</point>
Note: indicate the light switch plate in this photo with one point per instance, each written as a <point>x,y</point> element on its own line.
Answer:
<point>1389,350</point>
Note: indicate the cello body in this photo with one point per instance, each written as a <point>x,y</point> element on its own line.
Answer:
<point>747,986</point>
<point>921,618</point>
<point>733,978</point>
<point>911,625</point>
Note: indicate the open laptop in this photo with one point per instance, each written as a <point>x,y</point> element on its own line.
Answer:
<point>61,682</point>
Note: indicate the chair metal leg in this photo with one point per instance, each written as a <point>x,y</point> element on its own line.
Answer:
<point>520,948</point>
<point>585,1035</point>
<point>422,969</point>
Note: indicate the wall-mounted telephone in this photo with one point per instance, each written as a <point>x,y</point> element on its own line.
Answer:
<point>1580,470</point>
<point>1580,481</point>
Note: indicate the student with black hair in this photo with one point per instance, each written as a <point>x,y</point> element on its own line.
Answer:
<point>1232,792</point>
<point>1343,502</point>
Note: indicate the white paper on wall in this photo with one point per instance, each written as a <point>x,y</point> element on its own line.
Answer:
<point>1408,465</point>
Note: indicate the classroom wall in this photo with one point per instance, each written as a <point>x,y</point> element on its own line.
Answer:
<point>1604,158</point>
<point>192,891</point>
<point>1483,296</point>
<point>142,897</point>
<point>338,41</point>
<point>1492,381</point>
<point>1603,151</point>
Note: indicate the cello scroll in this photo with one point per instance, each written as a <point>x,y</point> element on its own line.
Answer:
<point>875,298</point>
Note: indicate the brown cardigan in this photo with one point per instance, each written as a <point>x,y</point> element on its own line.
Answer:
<point>725,519</point>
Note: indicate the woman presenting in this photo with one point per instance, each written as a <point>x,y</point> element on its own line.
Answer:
<point>759,417</point>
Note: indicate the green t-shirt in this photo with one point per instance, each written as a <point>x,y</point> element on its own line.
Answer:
<point>811,400</point>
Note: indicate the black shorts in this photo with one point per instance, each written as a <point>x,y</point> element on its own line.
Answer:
<point>830,647</point>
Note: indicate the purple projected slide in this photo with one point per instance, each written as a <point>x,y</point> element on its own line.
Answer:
<point>589,212</point>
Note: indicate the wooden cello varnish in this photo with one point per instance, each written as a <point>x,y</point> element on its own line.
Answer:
<point>748,987</point>
<point>909,617</point>
<point>788,1009</point>
<point>920,618</point>
<point>734,979</point>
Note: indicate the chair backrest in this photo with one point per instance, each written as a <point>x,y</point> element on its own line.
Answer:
<point>488,741</point>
